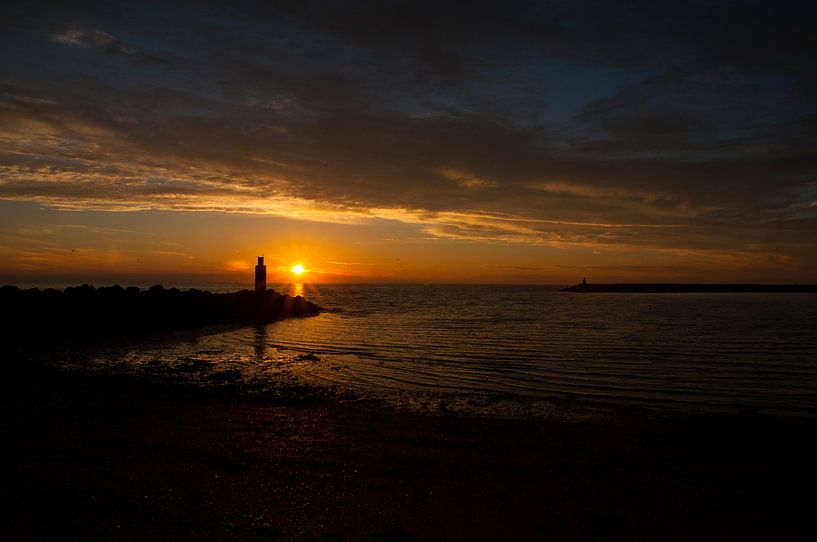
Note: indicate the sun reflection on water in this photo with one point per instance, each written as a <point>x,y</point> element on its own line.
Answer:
<point>260,343</point>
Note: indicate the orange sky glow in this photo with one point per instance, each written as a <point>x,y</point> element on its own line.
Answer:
<point>134,151</point>
<point>190,248</point>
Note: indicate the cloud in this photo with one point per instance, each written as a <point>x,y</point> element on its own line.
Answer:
<point>589,191</point>
<point>559,125</point>
<point>92,39</point>
<point>465,179</point>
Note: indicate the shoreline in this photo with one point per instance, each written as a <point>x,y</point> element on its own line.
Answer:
<point>111,457</point>
<point>281,378</point>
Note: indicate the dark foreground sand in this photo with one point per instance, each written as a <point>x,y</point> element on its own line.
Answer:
<point>109,459</point>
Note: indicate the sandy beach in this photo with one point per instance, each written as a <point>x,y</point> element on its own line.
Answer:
<point>104,458</point>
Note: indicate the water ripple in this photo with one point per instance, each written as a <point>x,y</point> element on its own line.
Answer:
<point>748,350</point>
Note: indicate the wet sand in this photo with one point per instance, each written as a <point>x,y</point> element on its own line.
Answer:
<point>103,458</point>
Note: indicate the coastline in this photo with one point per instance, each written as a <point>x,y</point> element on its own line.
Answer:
<point>111,457</point>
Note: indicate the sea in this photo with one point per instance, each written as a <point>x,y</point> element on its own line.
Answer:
<point>504,350</point>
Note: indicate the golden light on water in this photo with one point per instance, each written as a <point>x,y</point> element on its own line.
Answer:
<point>298,269</point>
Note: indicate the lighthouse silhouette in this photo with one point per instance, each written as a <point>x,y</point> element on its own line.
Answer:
<point>260,276</point>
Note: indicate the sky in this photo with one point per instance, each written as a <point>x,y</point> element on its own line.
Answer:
<point>505,142</point>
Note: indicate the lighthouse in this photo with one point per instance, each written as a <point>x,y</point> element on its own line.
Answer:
<point>260,276</point>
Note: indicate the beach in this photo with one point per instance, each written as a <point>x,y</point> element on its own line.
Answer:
<point>111,457</point>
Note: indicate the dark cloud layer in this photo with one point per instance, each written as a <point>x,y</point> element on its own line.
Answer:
<point>672,126</point>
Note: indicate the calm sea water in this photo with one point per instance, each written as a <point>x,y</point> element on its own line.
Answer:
<point>488,347</point>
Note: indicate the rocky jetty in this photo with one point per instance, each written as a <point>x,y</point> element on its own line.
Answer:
<point>690,288</point>
<point>86,311</point>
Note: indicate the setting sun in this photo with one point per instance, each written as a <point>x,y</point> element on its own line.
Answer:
<point>298,269</point>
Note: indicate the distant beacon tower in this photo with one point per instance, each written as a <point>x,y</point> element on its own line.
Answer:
<point>261,276</point>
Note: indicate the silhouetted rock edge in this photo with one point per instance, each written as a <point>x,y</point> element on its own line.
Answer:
<point>89,311</point>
